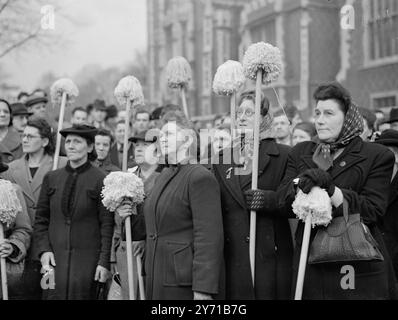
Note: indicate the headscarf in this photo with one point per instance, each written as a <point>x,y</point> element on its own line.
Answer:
<point>352,128</point>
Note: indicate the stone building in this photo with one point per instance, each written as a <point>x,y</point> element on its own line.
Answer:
<point>353,41</point>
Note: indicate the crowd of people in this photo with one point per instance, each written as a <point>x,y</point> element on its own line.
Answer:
<point>193,230</point>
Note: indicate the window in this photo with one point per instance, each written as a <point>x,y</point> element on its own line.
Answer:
<point>385,102</point>
<point>184,38</point>
<point>382,29</point>
<point>265,32</point>
<point>169,42</point>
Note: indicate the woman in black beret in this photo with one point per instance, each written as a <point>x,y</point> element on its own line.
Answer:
<point>73,230</point>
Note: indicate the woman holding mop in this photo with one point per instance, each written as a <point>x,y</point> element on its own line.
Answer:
<point>273,243</point>
<point>351,170</point>
<point>183,221</point>
<point>15,236</point>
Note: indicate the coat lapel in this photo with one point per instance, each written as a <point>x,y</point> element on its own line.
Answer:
<point>393,190</point>
<point>163,180</point>
<point>349,158</point>
<point>231,180</point>
<point>45,166</point>
<point>268,148</point>
<point>22,178</point>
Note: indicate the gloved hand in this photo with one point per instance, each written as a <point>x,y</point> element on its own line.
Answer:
<point>316,177</point>
<point>255,199</point>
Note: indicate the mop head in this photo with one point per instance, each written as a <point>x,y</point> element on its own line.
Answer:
<point>265,57</point>
<point>316,203</point>
<point>119,186</point>
<point>178,73</point>
<point>59,87</point>
<point>228,78</point>
<point>129,89</point>
<point>9,203</point>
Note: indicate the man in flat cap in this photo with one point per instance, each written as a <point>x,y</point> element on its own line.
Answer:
<point>20,115</point>
<point>37,104</point>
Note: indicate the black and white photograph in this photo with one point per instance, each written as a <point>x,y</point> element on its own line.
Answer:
<point>180,150</point>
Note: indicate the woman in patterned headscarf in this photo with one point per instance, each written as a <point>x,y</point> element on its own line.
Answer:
<point>350,169</point>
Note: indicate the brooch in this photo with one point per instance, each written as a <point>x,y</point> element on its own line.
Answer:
<point>229,171</point>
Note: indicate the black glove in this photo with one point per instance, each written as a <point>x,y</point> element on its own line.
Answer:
<point>316,178</point>
<point>255,199</point>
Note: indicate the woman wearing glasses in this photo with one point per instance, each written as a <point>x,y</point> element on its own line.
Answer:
<point>28,172</point>
<point>273,241</point>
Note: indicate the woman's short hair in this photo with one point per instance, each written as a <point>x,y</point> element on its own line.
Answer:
<point>251,95</point>
<point>334,91</point>
<point>181,121</point>
<point>9,109</point>
<point>105,133</point>
<point>45,131</point>
<point>307,127</point>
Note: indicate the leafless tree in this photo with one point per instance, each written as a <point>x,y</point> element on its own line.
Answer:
<point>20,25</point>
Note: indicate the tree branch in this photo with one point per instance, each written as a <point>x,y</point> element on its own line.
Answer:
<point>20,43</point>
<point>5,4</point>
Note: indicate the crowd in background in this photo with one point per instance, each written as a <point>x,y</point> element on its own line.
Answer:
<point>27,146</point>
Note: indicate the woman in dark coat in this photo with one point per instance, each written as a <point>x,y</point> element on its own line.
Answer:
<point>28,172</point>
<point>389,138</point>
<point>273,240</point>
<point>347,168</point>
<point>10,139</point>
<point>73,230</point>
<point>183,222</point>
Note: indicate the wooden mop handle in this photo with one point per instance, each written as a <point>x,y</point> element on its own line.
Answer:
<point>303,259</point>
<point>60,124</point>
<point>130,266</point>
<point>4,287</point>
<point>233,115</point>
<point>140,278</point>
<point>253,216</point>
<point>184,101</point>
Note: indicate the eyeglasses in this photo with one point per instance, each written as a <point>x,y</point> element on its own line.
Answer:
<point>29,136</point>
<point>247,112</point>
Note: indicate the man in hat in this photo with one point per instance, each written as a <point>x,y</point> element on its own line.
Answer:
<point>116,152</point>
<point>73,230</point>
<point>99,114</point>
<point>389,138</point>
<point>37,104</point>
<point>393,121</point>
<point>20,115</point>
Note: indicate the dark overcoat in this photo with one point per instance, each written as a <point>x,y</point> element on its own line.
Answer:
<point>184,234</point>
<point>362,172</point>
<point>274,247</point>
<point>114,156</point>
<point>11,146</point>
<point>390,224</point>
<point>79,241</point>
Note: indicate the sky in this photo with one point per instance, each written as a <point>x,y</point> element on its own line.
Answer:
<point>103,32</point>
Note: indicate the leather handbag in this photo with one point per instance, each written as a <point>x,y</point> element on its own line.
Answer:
<point>345,239</point>
<point>115,290</point>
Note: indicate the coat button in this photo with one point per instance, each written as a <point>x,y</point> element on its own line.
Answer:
<point>247,239</point>
<point>153,237</point>
<point>342,164</point>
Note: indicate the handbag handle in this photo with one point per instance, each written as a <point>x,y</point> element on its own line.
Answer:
<point>345,210</point>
